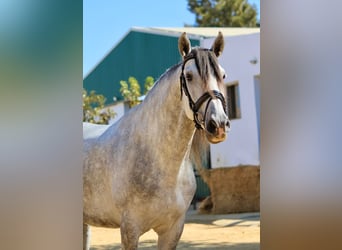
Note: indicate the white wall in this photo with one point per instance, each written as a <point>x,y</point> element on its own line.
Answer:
<point>241,145</point>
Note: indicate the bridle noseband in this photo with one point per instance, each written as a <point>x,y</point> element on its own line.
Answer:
<point>195,106</point>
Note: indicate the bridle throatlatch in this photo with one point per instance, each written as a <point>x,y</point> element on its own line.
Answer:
<point>195,106</point>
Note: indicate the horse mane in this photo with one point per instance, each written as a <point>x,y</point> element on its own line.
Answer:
<point>206,61</point>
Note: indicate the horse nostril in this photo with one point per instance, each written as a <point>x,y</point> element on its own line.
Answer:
<point>212,126</point>
<point>228,124</point>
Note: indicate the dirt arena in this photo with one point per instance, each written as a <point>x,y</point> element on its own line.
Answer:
<point>231,231</point>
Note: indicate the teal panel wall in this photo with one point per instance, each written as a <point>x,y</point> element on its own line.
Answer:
<point>138,54</point>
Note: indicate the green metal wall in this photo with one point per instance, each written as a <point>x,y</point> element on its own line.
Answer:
<point>202,189</point>
<point>138,54</point>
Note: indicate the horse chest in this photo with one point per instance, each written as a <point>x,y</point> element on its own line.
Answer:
<point>175,200</point>
<point>168,208</point>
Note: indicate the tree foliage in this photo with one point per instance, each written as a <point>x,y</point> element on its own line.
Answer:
<point>131,91</point>
<point>149,81</point>
<point>223,13</point>
<point>94,110</point>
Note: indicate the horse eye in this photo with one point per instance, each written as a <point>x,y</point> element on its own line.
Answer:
<point>188,76</point>
<point>224,76</point>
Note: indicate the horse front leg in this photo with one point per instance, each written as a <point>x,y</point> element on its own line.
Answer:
<point>169,239</point>
<point>86,237</point>
<point>129,235</point>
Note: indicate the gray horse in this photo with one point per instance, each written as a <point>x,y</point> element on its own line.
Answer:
<point>137,173</point>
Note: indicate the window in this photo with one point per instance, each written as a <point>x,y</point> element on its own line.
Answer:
<point>233,101</point>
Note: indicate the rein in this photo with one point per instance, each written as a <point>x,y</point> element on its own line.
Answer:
<point>195,106</point>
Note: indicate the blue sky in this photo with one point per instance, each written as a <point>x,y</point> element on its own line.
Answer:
<point>105,22</point>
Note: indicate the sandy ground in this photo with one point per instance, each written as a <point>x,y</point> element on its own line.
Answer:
<point>231,231</point>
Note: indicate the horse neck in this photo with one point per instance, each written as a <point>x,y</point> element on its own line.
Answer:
<point>169,129</point>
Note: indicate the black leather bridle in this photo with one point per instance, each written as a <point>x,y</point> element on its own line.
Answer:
<point>195,106</point>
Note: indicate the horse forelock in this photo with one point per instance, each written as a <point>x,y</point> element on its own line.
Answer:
<point>206,63</point>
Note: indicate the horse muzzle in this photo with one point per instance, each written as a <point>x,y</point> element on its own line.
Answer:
<point>217,131</point>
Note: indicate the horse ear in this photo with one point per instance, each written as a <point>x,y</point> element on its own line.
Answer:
<point>218,45</point>
<point>184,45</point>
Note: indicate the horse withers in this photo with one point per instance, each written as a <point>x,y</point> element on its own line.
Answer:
<point>137,172</point>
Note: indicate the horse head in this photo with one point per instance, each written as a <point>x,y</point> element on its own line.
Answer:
<point>201,81</point>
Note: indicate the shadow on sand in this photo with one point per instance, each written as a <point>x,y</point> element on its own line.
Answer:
<point>183,245</point>
<point>230,220</point>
